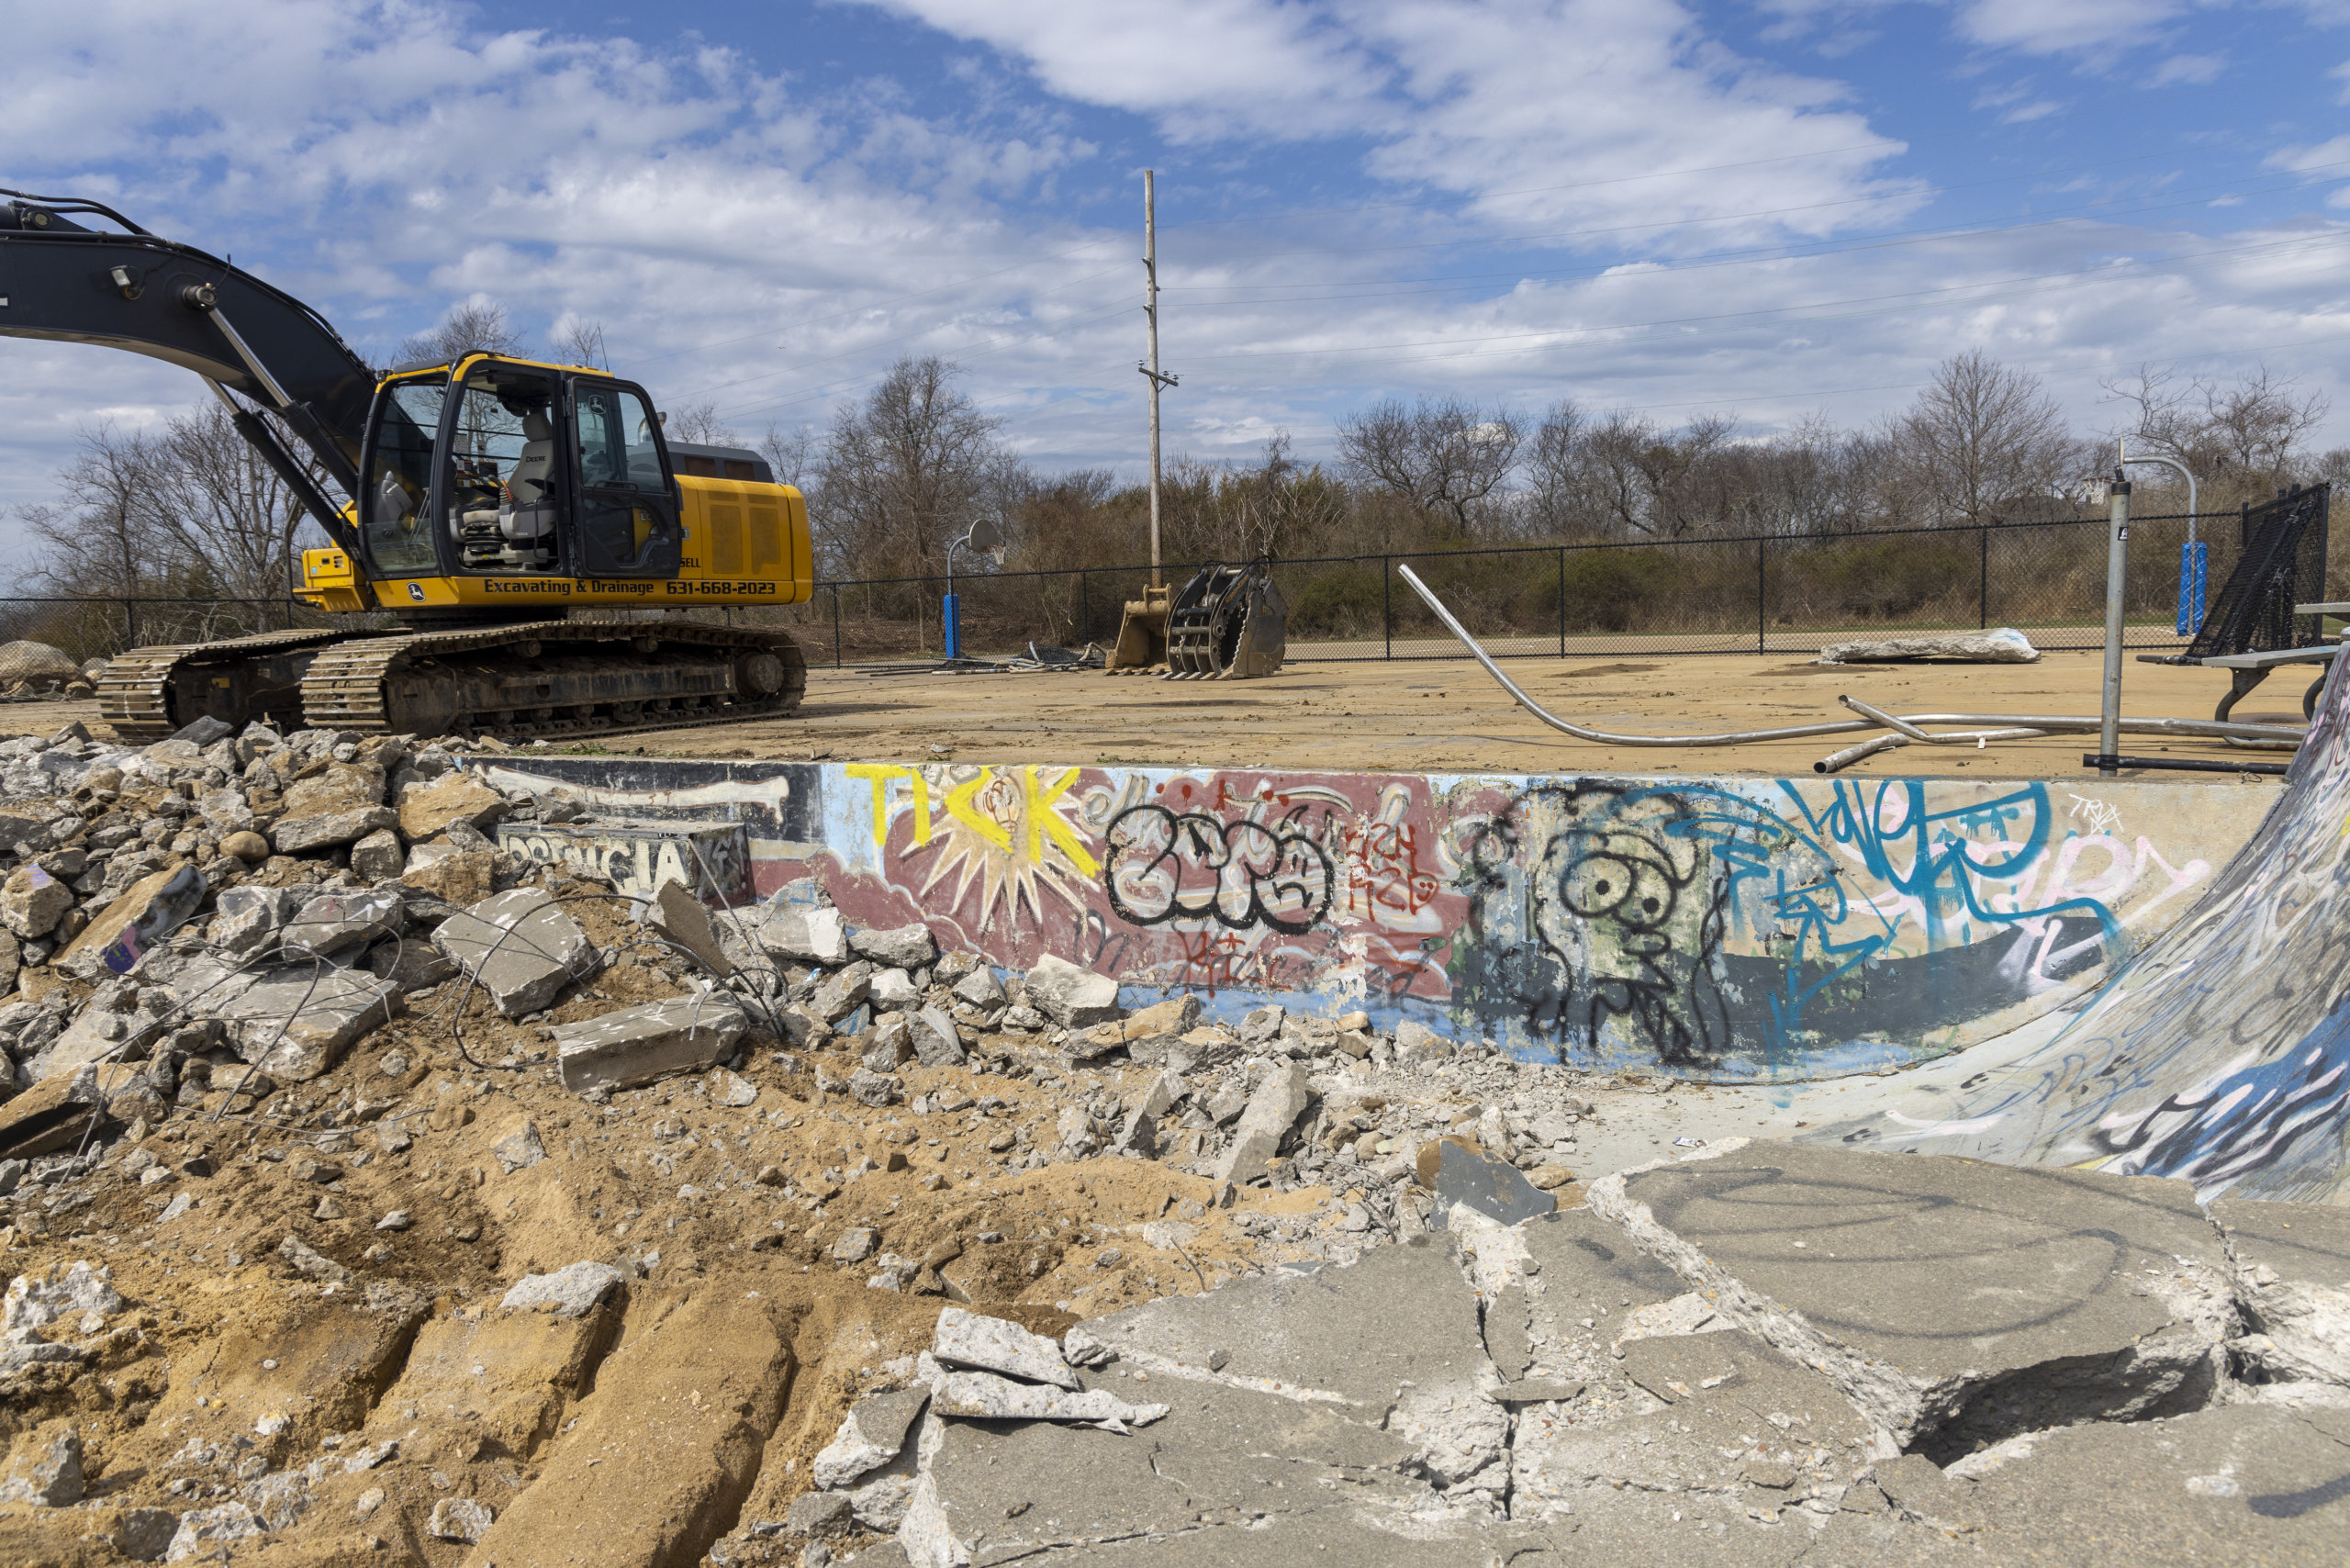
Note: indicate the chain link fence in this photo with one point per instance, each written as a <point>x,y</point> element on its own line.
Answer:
<point>1759,595</point>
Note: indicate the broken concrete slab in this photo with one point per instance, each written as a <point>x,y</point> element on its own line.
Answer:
<point>2239,1483</point>
<point>1578,1267</point>
<point>32,902</point>
<point>892,990</point>
<point>936,1042</point>
<point>685,922</point>
<point>1459,1172</point>
<point>993,1344</point>
<point>247,919</point>
<point>294,1021</point>
<point>130,927</point>
<point>1071,997</point>
<point>637,1044</point>
<point>2292,1280</point>
<point>1139,1132</point>
<point>1272,1109</point>
<point>805,936</point>
<point>872,1435</point>
<point>410,963</point>
<point>1182,1492</point>
<point>1328,1337</point>
<point>2088,1296</point>
<point>984,1396</point>
<point>843,993</point>
<point>1725,1417</point>
<point>428,810</point>
<point>898,946</point>
<point>520,946</point>
<point>333,922</point>
<point>571,1292</point>
<point>710,858</point>
<point>323,830</point>
<point>2004,646</point>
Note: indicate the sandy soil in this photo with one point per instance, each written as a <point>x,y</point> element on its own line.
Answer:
<point>1449,716</point>
<point>1444,716</point>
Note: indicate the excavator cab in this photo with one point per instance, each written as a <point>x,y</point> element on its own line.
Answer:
<point>496,467</point>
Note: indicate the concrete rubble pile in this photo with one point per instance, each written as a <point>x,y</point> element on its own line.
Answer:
<point>374,1193</point>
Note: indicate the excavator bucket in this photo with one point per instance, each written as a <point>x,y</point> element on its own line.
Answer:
<point>1141,635</point>
<point>1229,623</point>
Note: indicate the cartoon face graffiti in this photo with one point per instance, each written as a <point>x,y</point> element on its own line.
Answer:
<point>1633,904</point>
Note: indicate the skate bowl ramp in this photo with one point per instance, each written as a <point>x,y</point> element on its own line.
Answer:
<point>1721,930</point>
<point>2219,1055</point>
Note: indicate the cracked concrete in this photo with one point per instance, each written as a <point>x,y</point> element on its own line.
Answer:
<point>1767,1354</point>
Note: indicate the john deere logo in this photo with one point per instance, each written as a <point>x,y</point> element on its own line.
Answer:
<point>415,592</point>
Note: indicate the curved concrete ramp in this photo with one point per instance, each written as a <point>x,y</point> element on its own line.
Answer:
<point>2219,1055</point>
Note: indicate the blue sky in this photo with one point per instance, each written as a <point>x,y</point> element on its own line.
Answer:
<point>1769,211</point>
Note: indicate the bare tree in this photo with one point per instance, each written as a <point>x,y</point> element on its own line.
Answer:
<point>479,325</point>
<point>188,511</point>
<point>1445,454</point>
<point>908,470</point>
<point>699,424</point>
<point>579,341</point>
<point>789,453</point>
<point>1986,440</point>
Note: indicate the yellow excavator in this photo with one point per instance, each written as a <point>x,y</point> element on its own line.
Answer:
<point>493,500</point>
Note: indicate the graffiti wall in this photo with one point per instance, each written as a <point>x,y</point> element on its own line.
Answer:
<point>2221,1055</point>
<point>1726,929</point>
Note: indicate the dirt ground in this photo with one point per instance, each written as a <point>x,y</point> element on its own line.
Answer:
<point>1446,716</point>
<point>1449,716</point>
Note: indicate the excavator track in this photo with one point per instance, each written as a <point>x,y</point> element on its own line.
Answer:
<point>147,694</point>
<point>554,679</point>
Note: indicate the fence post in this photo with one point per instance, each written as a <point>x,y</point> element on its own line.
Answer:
<point>1983,585</point>
<point>836,626</point>
<point>130,623</point>
<point>1387,601</point>
<point>1084,607</point>
<point>1563,602</point>
<point>1762,604</point>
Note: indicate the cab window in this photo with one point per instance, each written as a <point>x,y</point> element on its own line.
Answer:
<point>505,501</point>
<point>395,494</point>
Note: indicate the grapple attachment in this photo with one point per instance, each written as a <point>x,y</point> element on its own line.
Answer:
<point>1229,623</point>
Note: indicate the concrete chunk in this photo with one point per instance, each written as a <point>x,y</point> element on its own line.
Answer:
<point>1071,997</point>
<point>991,1344</point>
<point>935,1040</point>
<point>1272,1109</point>
<point>987,1397</point>
<point>805,936</point>
<point>131,926</point>
<point>571,1292</point>
<point>1458,1171</point>
<point>872,1435</point>
<point>521,946</point>
<point>898,946</point>
<point>429,808</point>
<point>637,1044</point>
<point>324,830</point>
<point>332,922</point>
<point>295,1020</point>
<point>48,1476</point>
<point>411,963</point>
<point>684,921</point>
<point>2292,1279</point>
<point>2086,1297</point>
<point>245,919</point>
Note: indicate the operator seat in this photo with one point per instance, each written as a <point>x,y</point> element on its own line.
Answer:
<point>530,488</point>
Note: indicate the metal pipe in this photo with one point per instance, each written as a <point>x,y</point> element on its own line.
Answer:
<point>2187,557</point>
<point>1837,761</point>
<point>2205,728</point>
<point>1908,731</point>
<point>2117,570</point>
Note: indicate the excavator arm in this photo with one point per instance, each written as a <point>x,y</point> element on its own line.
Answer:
<point>65,281</point>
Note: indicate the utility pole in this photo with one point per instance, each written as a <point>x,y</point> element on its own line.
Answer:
<point>1149,368</point>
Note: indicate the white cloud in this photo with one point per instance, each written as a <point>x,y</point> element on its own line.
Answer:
<point>2188,69</point>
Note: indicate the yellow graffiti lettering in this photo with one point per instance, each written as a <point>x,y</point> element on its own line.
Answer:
<point>881,774</point>
<point>958,806</point>
<point>1043,819</point>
